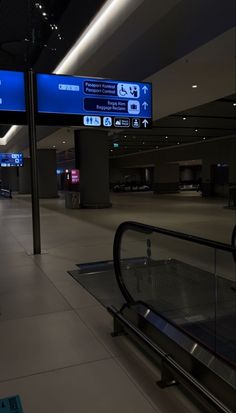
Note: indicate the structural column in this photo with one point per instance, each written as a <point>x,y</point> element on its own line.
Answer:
<point>166,178</point>
<point>47,173</point>
<point>91,152</point>
<point>25,177</point>
<point>9,178</point>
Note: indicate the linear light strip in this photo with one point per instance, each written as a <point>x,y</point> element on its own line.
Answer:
<point>110,15</point>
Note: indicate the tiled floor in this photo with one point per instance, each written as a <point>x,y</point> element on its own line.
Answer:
<point>56,351</point>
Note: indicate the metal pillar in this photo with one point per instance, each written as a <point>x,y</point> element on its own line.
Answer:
<point>33,163</point>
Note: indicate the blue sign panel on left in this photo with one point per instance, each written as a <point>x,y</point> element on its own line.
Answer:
<point>12,91</point>
<point>10,405</point>
<point>11,159</point>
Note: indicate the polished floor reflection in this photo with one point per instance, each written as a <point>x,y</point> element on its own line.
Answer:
<point>55,349</point>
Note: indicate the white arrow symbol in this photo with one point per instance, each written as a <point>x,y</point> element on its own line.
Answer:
<point>145,122</point>
<point>145,105</point>
<point>145,89</point>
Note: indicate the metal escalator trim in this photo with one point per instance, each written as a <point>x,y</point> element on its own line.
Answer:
<point>172,363</point>
<point>229,363</point>
<point>189,343</point>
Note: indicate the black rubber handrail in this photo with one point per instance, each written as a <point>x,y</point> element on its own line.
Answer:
<point>148,229</point>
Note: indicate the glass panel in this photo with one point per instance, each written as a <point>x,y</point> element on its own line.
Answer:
<point>226,306</point>
<point>175,277</point>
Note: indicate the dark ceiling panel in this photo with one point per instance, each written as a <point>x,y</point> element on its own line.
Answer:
<point>71,25</point>
<point>191,23</point>
<point>47,28</point>
<point>3,130</point>
<point>212,120</point>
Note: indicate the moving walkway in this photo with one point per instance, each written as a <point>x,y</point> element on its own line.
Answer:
<point>180,307</point>
<point>177,300</point>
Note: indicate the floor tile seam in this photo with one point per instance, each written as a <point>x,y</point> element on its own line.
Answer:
<point>53,256</point>
<point>71,306</point>
<point>28,202</point>
<point>53,285</point>
<point>15,266</point>
<point>93,296</point>
<point>70,310</point>
<point>42,372</point>
<point>14,236</point>
<point>44,275</point>
<point>137,385</point>
<point>94,244</point>
<point>106,347</point>
<point>69,215</point>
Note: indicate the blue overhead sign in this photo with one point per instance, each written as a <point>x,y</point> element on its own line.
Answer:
<point>12,91</point>
<point>11,405</point>
<point>96,102</point>
<point>11,159</point>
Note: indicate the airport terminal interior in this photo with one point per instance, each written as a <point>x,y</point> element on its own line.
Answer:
<point>118,206</point>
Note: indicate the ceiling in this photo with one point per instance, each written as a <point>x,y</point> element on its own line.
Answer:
<point>212,120</point>
<point>144,42</point>
<point>36,33</point>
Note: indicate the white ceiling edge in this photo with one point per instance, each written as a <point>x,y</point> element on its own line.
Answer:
<point>106,22</point>
<point>211,67</point>
<point>115,42</point>
<point>10,135</point>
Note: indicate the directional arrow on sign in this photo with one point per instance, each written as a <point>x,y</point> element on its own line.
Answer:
<point>145,122</point>
<point>145,105</point>
<point>145,89</point>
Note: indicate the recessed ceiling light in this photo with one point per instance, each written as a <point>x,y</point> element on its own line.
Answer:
<point>196,130</point>
<point>63,141</point>
<point>111,150</point>
<point>125,136</point>
<point>177,143</point>
<point>44,14</point>
<point>54,146</point>
<point>234,104</point>
<point>194,86</point>
<point>204,138</point>
<point>166,137</point>
<point>184,118</point>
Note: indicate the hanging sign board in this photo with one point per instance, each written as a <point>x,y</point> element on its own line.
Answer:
<point>12,97</point>
<point>93,102</point>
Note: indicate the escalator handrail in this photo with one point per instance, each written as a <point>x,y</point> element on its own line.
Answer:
<point>148,229</point>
